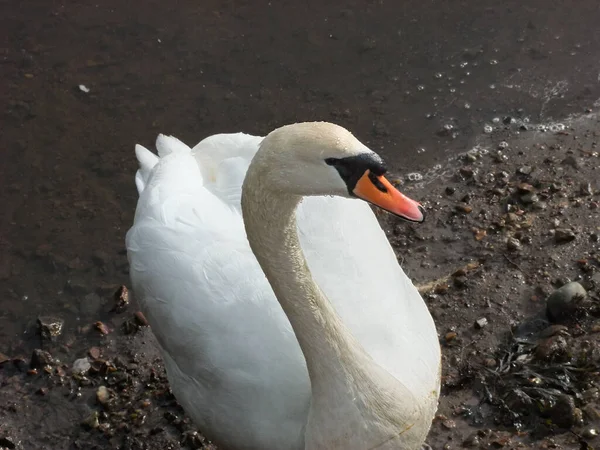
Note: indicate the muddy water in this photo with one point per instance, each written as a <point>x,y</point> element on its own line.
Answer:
<point>81,83</point>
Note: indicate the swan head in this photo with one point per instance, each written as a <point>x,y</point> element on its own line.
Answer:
<point>321,158</point>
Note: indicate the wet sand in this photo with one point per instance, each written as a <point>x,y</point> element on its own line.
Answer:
<point>418,82</point>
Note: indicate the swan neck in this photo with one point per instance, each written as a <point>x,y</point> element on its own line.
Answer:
<point>270,220</point>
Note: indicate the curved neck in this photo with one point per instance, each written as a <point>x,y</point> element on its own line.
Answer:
<point>354,401</point>
<point>270,222</point>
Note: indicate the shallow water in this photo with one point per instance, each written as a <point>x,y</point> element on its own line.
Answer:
<point>82,83</point>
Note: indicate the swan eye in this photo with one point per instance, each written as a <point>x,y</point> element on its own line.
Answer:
<point>352,168</point>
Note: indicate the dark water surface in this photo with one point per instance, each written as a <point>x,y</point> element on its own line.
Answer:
<point>417,80</point>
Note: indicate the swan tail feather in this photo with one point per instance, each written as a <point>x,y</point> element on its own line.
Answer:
<point>165,145</point>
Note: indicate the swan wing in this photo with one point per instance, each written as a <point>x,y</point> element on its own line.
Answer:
<point>231,356</point>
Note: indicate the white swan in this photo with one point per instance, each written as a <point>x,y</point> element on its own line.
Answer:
<point>268,363</point>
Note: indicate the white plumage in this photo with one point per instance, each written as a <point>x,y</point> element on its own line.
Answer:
<point>232,358</point>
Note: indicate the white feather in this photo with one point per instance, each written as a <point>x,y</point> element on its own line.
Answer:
<point>232,358</point>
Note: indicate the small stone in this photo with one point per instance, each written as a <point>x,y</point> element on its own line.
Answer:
<point>40,358</point>
<point>513,244</point>
<point>530,198</point>
<point>564,235</point>
<point>472,440</point>
<point>450,336</point>
<point>464,208</point>
<point>450,190</point>
<point>524,170</point>
<point>50,327</point>
<point>525,188</point>
<point>94,352</point>
<point>590,433</point>
<point>92,421</point>
<point>102,395</point>
<point>449,424</point>
<point>101,327</point>
<point>121,298</point>
<point>480,323</point>
<point>586,189</point>
<point>490,363</point>
<point>507,120</point>
<point>42,391</point>
<point>467,172</point>
<point>563,302</point>
<point>81,366</point>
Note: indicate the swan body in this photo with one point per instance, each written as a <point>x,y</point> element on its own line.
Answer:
<point>348,358</point>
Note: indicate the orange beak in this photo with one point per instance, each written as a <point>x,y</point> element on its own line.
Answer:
<point>380,192</point>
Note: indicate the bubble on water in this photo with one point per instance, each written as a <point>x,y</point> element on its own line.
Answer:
<point>493,62</point>
<point>464,64</point>
<point>421,150</point>
<point>420,87</point>
<point>467,105</point>
<point>437,167</point>
<point>496,120</point>
<point>492,86</point>
<point>438,75</point>
<point>462,81</point>
<point>502,145</point>
<point>467,74</point>
<point>487,129</point>
<point>555,127</point>
<point>453,90</point>
<point>414,176</point>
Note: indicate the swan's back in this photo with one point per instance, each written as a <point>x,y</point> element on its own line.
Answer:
<point>231,355</point>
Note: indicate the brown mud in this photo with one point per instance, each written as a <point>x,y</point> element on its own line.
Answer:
<point>505,228</point>
<point>418,81</point>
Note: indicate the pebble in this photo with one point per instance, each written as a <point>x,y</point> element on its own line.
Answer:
<point>94,352</point>
<point>472,440</point>
<point>3,358</point>
<point>480,323</point>
<point>530,198</point>
<point>40,358</point>
<point>102,395</point>
<point>50,327</point>
<point>513,244</point>
<point>101,327</point>
<point>562,303</point>
<point>121,298</point>
<point>564,235</point>
<point>464,208</point>
<point>450,336</point>
<point>81,366</point>
<point>590,433</point>
<point>92,421</point>
<point>586,189</point>
<point>449,424</point>
<point>525,170</point>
